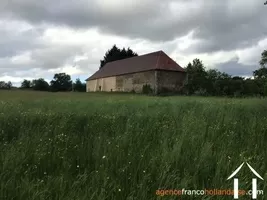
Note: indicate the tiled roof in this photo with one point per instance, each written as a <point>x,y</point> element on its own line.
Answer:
<point>152,61</point>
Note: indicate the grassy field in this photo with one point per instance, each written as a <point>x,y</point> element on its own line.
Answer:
<point>79,146</point>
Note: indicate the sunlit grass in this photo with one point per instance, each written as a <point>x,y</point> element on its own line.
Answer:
<point>124,147</point>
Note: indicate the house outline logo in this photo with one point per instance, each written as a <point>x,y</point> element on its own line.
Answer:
<point>254,181</point>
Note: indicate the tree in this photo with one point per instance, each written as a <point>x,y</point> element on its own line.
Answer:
<point>9,85</point>
<point>40,84</point>
<point>238,78</point>
<point>263,61</point>
<point>61,82</point>
<point>115,53</point>
<point>251,88</point>
<point>26,84</point>
<point>214,82</point>
<point>79,86</point>
<point>196,77</point>
<point>260,73</point>
<point>4,85</point>
<point>212,76</point>
<point>265,89</point>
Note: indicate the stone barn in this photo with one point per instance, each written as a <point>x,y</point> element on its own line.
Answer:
<point>157,70</point>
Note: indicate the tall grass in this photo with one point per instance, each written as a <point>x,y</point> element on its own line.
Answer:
<point>124,147</point>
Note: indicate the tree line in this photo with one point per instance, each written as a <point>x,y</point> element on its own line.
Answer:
<point>5,85</point>
<point>61,83</point>
<point>200,81</point>
<point>212,82</point>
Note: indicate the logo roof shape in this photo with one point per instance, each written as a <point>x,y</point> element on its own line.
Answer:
<point>238,169</point>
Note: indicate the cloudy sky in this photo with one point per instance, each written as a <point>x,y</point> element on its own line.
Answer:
<point>40,38</point>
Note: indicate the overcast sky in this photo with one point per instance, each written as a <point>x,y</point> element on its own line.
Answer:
<point>40,38</point>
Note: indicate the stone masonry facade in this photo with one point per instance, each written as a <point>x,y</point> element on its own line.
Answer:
<point>158,80</point>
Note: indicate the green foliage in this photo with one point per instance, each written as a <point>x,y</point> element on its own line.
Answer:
<point>115,53</point>
<point>196,76</point>
<point>213,82</point>
<point>147,89</point>
<point>40,84</point>
<point>80,146</point>
<point>260,73</point>
<point>265,88</point>
<point>26,84</point>
<point>61,82</point>
<point>78,86</point>
<point>5,85</point>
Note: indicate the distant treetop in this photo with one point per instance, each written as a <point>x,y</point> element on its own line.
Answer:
<point>115,53</point>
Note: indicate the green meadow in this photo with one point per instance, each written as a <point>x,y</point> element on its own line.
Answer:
<point>102,146</point>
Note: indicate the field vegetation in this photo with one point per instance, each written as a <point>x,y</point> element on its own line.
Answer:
<point>82,146</point>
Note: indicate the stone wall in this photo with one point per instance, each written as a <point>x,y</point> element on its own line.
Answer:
<point>166,81</point>
<point>107,84</point>
<point>170,81</point>
<point>135,82</point>
<point>91,85</point>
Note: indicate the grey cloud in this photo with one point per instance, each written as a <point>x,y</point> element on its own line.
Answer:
<point>54,56</point>
<point>219,25</point>
<point>46,58</point>
<point>13,42</point>
<point>16,40</point>
<point>236,69</point>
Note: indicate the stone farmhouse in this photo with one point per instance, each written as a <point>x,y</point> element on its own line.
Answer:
<point>155,69</point>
